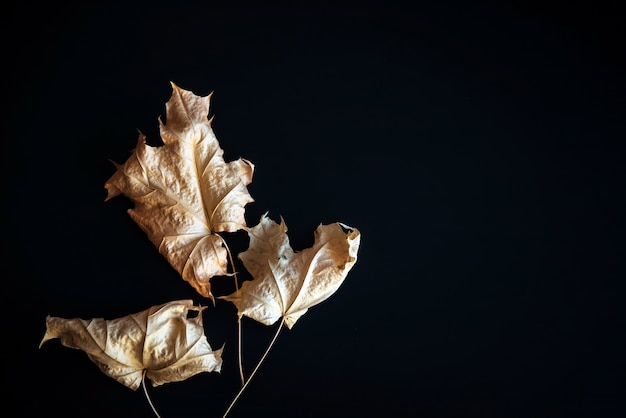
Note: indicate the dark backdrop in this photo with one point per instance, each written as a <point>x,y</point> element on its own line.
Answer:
<point>477,147</point>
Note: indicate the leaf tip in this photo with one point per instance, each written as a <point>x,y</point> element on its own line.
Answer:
<point>48,335</point>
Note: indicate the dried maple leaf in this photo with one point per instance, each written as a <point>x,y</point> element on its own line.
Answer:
<point>160,341</point>
<point>184,192</point>
<point>286,283</point>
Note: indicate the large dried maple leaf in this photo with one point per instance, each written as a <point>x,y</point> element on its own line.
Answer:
<point>184,192</point>
<point>286,283</point>
<point>160,341</point>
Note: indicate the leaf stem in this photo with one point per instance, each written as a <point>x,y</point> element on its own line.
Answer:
<point>267,350</point>
<point>232,262</point>
<point>145,391</point>
<point>239,355</point>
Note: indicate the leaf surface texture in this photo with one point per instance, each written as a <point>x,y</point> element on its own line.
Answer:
<point>161,340</point>
<point>287,283</point>
<point>184,192</point>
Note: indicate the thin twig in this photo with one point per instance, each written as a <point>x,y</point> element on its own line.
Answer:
<point>267,350</point>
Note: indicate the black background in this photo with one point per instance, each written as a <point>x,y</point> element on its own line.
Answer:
<point>477,146</point>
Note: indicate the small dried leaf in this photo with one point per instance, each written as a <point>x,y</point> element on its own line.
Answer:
<point>161,340</point>
<point>287,283</point>
<point>184,192</point>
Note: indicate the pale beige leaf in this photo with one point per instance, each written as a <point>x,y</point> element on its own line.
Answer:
<point>184,192</point>
<point>161,340</point>
<point>286,283</point>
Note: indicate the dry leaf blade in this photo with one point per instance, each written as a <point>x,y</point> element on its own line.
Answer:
<point>184,193</point>
<point>161,340</point>
<point>287,283</point>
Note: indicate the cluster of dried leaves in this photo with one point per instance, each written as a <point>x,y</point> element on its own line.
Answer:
<point>184,196</point>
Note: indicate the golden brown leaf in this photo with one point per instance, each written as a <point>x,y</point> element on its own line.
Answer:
<point>287,283</point>
<point>161,340</point>
<point>184,192</point>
